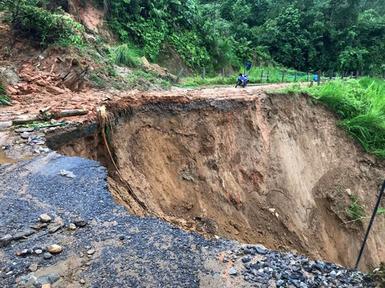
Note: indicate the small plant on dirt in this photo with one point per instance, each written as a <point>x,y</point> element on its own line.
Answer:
<point>378,275</point>
<point>97,81</point>
<point>380,211</point>
<point>355,211</point>
<point>4,99</point>
<point>125,56</point>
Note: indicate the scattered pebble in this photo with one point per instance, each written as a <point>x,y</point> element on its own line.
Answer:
<point>79,222</point>
<point>68,174</point>
<point>54,249</point>
<point>25,135</point>
<point>24,252</point>
<point>45,218</point>
<point>82,281</point>
<point>233,271</point>
<point>72,226</point>
<point>39,226</point>
<point>33,267</point>
<point>53,228</point>
<point>5,240</point>
<point>91,252</point>
<point>47,255</point>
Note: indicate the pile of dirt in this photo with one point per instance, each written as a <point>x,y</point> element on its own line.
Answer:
<point>272,169</point>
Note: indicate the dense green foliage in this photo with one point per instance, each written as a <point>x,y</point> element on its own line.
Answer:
<point>125,56</point>
<point>326,35</point>
<point>329,35</point>
<point>36,20</point>
<point>361,106</point>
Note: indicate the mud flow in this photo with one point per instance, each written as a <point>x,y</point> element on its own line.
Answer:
<point>272,170</point>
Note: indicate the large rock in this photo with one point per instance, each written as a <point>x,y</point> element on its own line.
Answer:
<point>8,75</point>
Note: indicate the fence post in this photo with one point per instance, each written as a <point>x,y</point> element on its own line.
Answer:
<point>319,78</point>
<point>262,76</point>
<point>283,76</point>
<point>307,77</point>
<point>295,76</point>
<point>203,73</point>
<point>267,77</point>
<point>179,74</point>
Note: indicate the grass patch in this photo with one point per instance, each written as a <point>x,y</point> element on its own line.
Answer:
<point>199,81</point>
<point>360,104</point>
<point>143,80</point>
<point>4,99</point>
<point>256,75</point>
<point>126,56</point>
<point>355,211</point>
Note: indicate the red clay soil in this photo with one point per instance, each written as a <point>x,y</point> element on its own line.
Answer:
<point>30,97</point>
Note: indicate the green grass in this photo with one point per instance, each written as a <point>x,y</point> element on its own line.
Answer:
<point>125,55</point>
<point>360,104</point>
<point>256,75</point>
<point>4,99</point>
<point>355,211</point>
<point>199,81</point>
<point>143,80</point>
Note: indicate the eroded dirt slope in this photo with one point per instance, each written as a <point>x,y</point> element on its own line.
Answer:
<point>263,169</point>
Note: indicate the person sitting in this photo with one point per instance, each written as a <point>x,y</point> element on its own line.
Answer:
<point>242,80</point>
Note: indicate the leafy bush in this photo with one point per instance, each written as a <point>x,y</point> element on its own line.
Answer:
<point>30,20</point>
<point>125,56</point>
<point>188,46</point>
<point>4,99</point>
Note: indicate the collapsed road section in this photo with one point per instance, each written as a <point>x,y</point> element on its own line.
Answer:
<point>274,170</point>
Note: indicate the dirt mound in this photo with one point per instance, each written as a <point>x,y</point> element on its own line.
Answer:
<point>273,170</point>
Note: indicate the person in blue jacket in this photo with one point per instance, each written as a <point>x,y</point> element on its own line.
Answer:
<point>242,80</point>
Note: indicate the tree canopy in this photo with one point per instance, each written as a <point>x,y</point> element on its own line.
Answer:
<point>327,35</point>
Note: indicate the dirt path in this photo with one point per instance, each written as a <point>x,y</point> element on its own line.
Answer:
<point>31,104</point>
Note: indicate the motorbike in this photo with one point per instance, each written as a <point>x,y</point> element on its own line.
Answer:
<point>242,81</point>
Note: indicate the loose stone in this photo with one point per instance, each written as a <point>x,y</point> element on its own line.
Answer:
<point>54,249</point>
<point>45,218</point>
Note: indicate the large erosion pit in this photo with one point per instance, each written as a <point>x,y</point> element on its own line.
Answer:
<point>274,170</point>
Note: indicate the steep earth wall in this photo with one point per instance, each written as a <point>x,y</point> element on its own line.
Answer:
<point>274,170</point>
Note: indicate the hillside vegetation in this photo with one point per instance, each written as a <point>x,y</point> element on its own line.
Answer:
<point>304,35</point>
<point>360,104</point>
